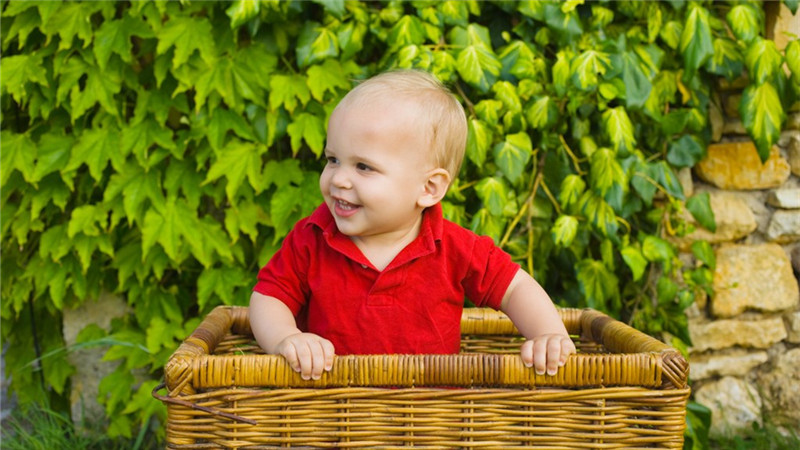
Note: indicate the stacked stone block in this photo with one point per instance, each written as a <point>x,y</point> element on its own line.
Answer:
<point>745,357</point>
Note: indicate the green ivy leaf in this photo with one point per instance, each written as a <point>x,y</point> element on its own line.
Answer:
<point>316,42</point>
<point>696,45</point>
<point>637,82</point>
<point>167,227</point>
<point>572,187</point>
<point>762,60</point>
<point>479,141</point>
<point>186,35</point>
<point>50,189</point>
<point>561,73</point>
<point>407,31</point>
<point>703,251</point>
<point>596,282</point>
<point>242,11</point>
<point>236,161</point>
<point>726,60</point>
<point>223,283</point>
<point>18,71</point>
<point>206,239</point>
<point>792,52</point>
<point>57,373</point>
<point>666,290</point>
<point>52,155</point>
<point>224,120</point>
<point>654,21</point>
<point>605,171</point>
<point>286,90</point>
<point>84,219</point>
<point>792,5</point>
<point>492,192</point>
<point>309,128</point>
<point>329,76</point>
<point>671,34</point>
<point>19,152</point>
<point>507,93</point>
<point>665,177</point>
<point>762,115</point>
<point>114,36</point>
<point>95,148</point>
<point>513,154</point>
<point>101,87</point>
<point>141,137</point>
<point>142,401</point>
<point>564,230</point>
<point>85,246</point>
<point>587,67</point>
<point>335,7</point>
<point>700,207</point>
<point>71,20</point>
<point>542,113</point>
<point>25,21</point>
<point>744,21</point>
<point>485,223</point>
<point>686,151</point>
<point>136,186</point>
<point>600,214</point>
<point>478,66</point>
<point>656,249</point>
<point>244,218</point>
<point>634,260</point>
<point>619,129</point>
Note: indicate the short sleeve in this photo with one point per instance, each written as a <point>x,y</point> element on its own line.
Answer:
<point>285,275</point>
<point>489,273</point>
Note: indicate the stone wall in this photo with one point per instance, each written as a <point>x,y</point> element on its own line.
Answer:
<point>746,337</point>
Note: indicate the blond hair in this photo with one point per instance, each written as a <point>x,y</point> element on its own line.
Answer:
<point>441,115</point>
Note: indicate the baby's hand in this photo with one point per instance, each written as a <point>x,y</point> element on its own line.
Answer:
<point>547,352</point>
<point>308,354</point>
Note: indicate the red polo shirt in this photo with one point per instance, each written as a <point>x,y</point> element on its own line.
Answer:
<point>412,306</point>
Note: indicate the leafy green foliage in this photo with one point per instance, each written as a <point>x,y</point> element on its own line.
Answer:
<point>162,150</point>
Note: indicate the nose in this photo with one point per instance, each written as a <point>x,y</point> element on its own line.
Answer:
<point>340,178</point>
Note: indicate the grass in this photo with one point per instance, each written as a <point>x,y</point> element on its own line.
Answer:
<point>40,428</point>
<point>766,437</point>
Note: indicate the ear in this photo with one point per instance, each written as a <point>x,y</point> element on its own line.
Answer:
<point>435,188</point>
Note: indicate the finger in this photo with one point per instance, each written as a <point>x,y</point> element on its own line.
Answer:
<point>540,356</point>
<point>567,348</point>
<point>526,352</point>
<point>553,355</point>
<point>304,359</point>
<point>330,352</point>
<point>290,354</point>
<point>317,359</point>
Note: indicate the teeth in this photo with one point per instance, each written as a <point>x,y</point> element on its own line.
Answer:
<point>345,205</point>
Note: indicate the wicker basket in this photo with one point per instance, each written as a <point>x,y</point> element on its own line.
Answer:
<point>622,389</point>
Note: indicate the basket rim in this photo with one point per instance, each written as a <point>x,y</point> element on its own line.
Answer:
<point>635,359</point>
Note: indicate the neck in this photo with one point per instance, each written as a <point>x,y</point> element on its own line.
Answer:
<point>381,249</point>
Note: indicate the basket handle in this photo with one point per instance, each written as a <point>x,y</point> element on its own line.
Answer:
<point>177,401</point>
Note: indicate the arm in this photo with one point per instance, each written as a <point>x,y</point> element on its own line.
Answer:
<point>276,332</point>
<point>533,313</point>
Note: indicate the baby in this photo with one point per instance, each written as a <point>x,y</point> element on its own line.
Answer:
<point>376,268</point>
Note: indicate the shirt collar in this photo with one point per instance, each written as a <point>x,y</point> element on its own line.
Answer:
<point>425,243</point>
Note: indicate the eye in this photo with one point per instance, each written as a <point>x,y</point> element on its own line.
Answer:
<point>363,167</point>
<point>332,160</point>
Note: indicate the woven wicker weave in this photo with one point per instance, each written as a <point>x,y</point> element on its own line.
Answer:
<point>623,389</point>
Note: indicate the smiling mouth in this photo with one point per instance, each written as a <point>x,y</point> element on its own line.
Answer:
<point>344,209</point>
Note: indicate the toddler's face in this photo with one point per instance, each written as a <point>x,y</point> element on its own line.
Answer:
<point>377,169</point>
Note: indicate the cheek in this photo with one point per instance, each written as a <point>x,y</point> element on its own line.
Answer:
<point>324,181</point>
